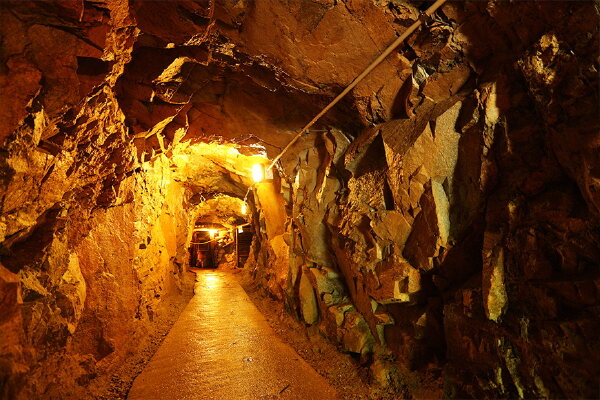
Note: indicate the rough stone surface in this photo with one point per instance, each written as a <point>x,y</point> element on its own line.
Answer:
<point>198,359</point>
<point>441,226</point>
<point>308,301</point>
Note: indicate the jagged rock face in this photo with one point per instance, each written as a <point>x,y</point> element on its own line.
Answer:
<point>460,235</point>
<point>446,214</point>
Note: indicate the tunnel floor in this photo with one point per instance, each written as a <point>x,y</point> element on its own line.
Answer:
<point>221,347</point>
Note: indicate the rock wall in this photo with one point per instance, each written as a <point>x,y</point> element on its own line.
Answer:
<point>463,239</point>
<point>83,301</point>
<point>93,237</point>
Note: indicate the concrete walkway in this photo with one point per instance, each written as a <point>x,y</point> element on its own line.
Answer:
<point>222,348</point>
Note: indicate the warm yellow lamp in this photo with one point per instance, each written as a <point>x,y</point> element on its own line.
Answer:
<point>244,209</point>
<point>258,173</point>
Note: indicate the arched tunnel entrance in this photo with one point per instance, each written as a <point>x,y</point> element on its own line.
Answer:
<point>221,182</point>
<point>215,238</point>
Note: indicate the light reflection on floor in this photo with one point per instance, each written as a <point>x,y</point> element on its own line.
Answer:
<point>211,279</point>
<point>222,348</point>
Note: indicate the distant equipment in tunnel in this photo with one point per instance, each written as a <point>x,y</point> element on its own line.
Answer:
<point>201,254</point>
<point>209,241</point>
<point>204,244</point>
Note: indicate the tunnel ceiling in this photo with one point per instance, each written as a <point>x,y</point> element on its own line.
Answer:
<point>243,71</point>
<point>213,168</point>
<point>185,69</point>
<point>251,71</point>
<point>223,210</point>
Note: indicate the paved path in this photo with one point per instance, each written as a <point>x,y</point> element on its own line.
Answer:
<point>222,348</point>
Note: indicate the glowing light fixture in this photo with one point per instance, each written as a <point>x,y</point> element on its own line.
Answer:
<point>212,233</point>
<point>244,209</point>
<point>258,173</point>
<point>240,229</point>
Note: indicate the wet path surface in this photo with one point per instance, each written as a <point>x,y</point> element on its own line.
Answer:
<point>222,348</point>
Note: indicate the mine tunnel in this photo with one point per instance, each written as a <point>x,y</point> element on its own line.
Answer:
<point>224,235</point>
<point>302,199</point>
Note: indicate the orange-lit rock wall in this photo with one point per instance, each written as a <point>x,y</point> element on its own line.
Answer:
<point>274,254</point>
<point>92,240</point>
<point>464,239</point>
<point>85,300</point>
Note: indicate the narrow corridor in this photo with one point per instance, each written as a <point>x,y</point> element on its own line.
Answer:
<point>410,189</point>
<point>222,348</point>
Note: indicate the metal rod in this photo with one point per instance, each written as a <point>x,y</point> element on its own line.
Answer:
<point>360,77</point>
